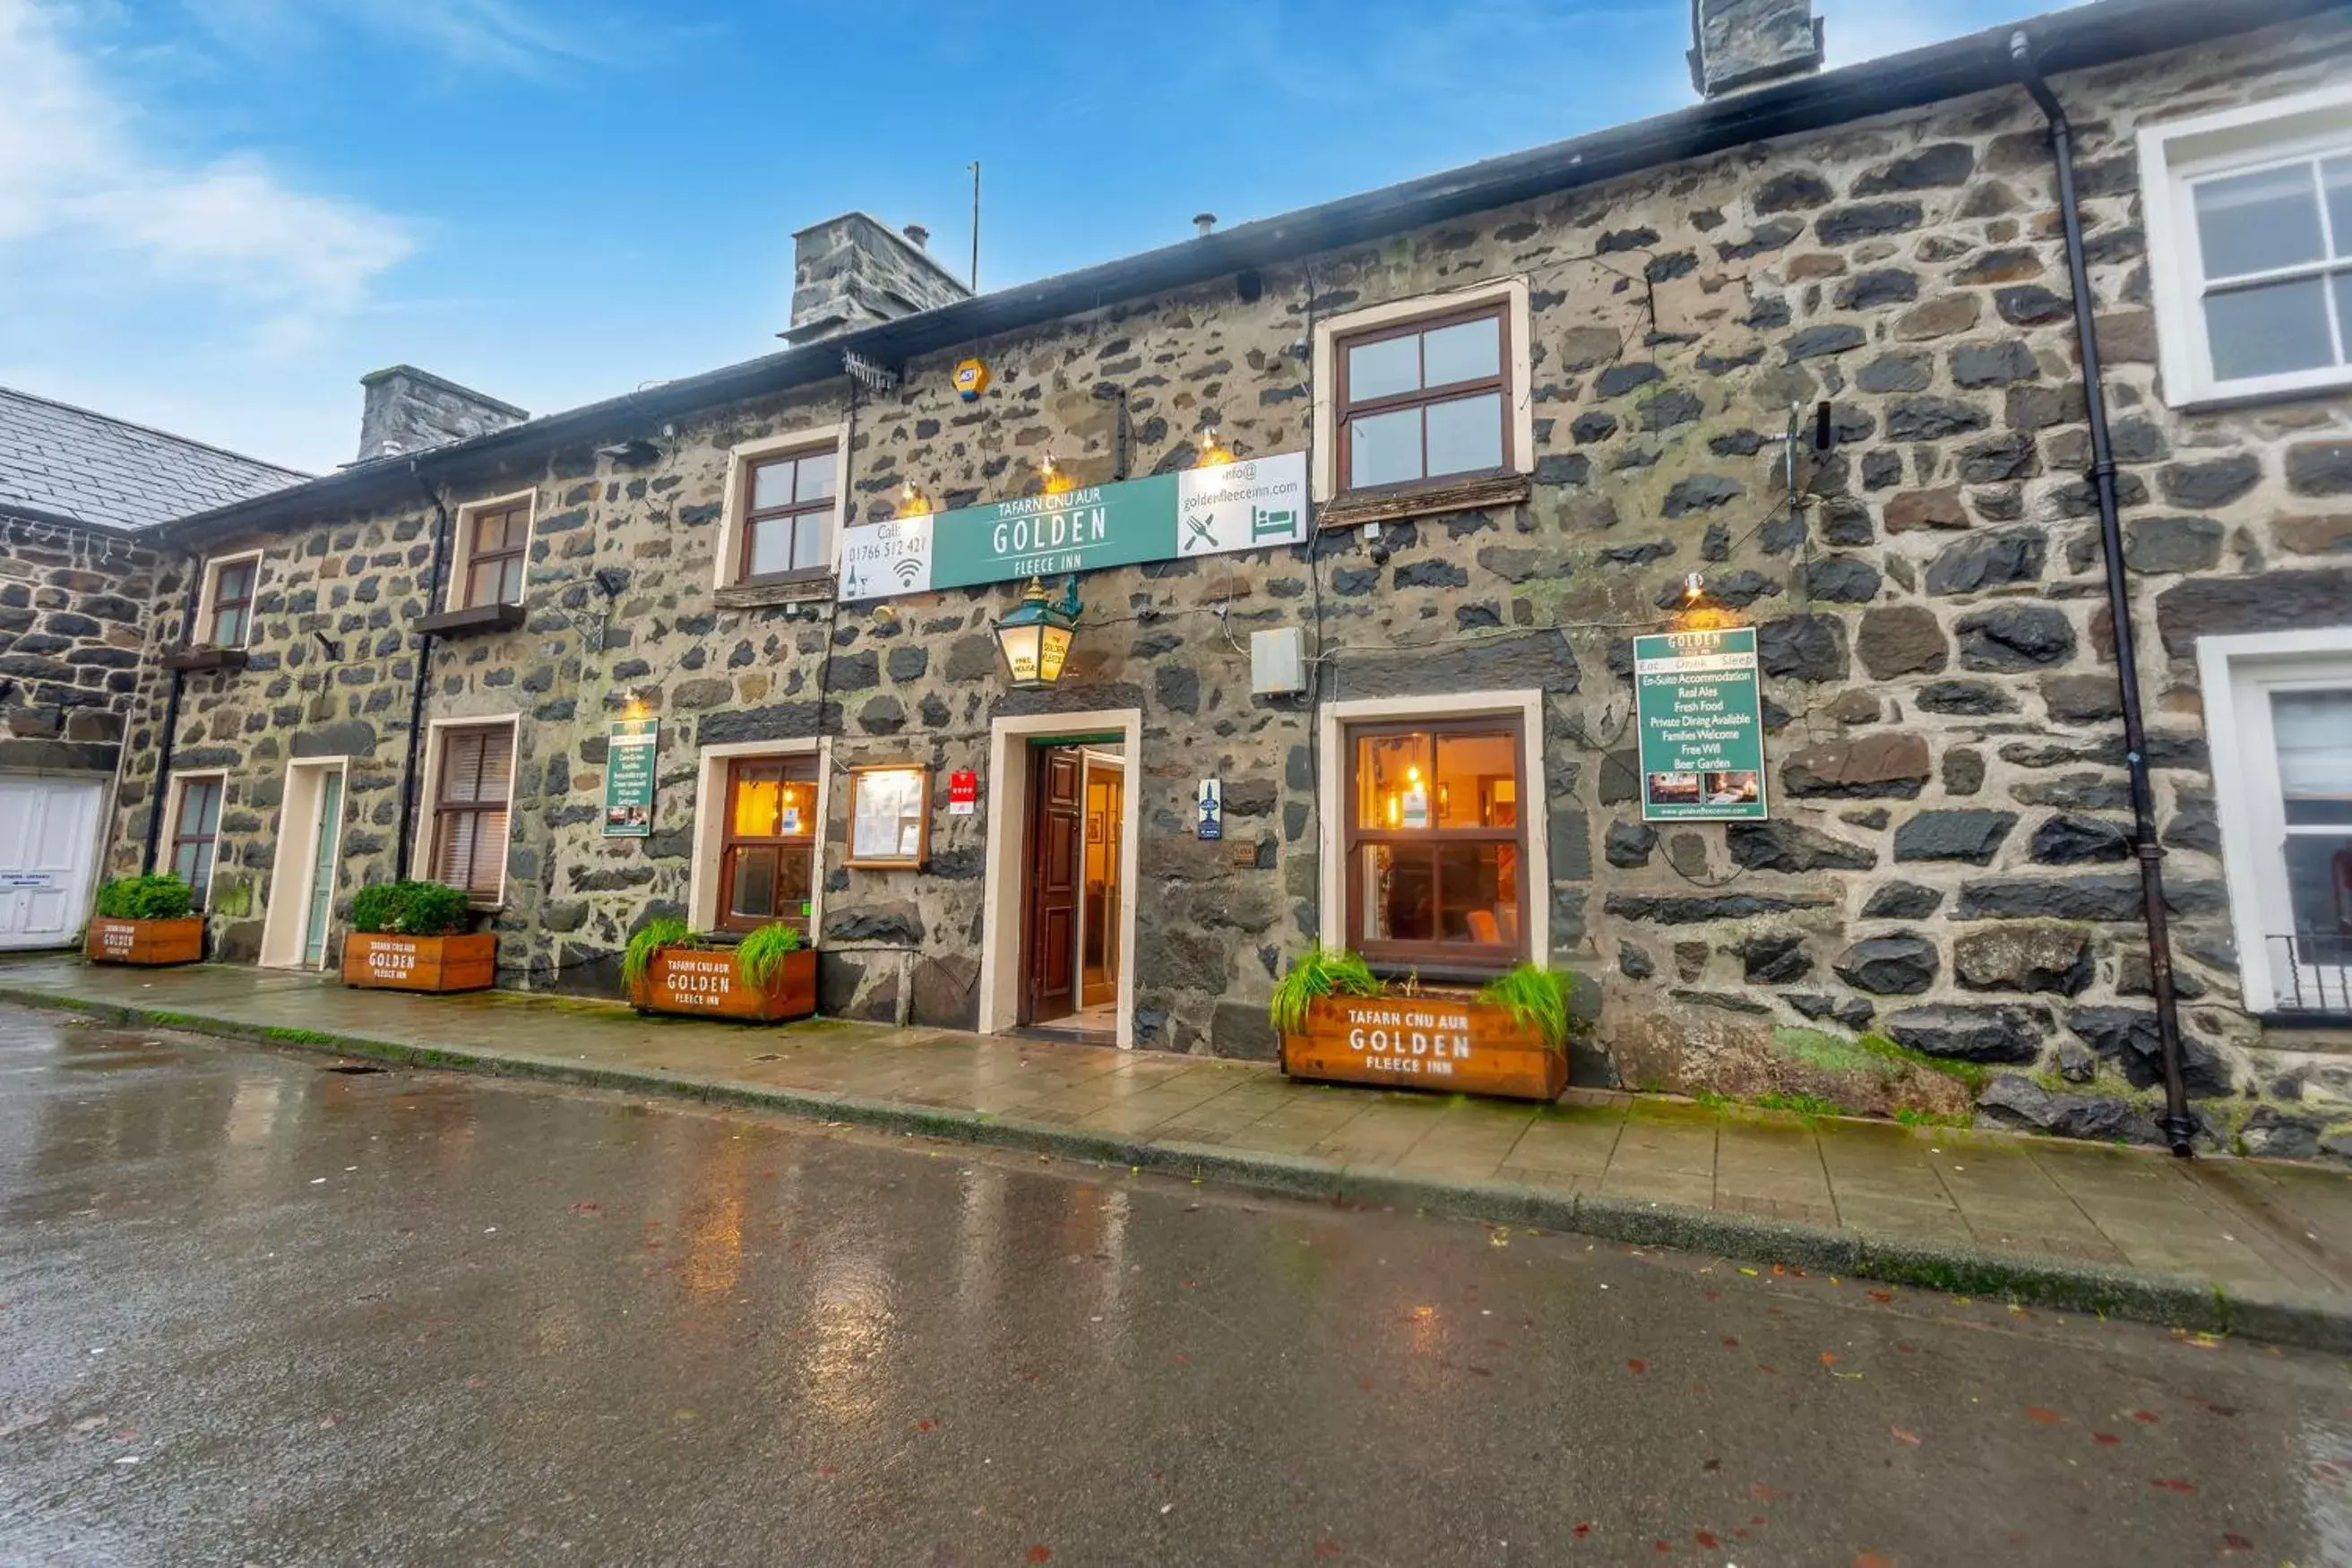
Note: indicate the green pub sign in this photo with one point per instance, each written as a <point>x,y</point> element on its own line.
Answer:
<point>1701,708</point>
<point>629,777</point>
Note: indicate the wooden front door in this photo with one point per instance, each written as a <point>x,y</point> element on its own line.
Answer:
<point>1098,965</point>
<point>1056,815</point>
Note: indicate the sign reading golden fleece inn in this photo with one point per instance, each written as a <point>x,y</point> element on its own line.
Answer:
<point>1254,503</point>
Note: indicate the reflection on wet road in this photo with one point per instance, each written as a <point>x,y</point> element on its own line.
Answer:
<point>256,1311</point>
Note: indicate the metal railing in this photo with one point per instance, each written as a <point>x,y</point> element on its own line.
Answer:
<point>2311,972</point>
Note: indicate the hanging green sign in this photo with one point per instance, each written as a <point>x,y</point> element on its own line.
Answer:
<point>1700,704</point>
<point>629,777</point>
<point>1254,503</point>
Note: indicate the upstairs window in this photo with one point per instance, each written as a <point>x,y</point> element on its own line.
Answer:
<point>224,609</point>
<point>498,544</point>
<point>1425,399</point>
<point>2249,215</point>
<point>788,511</point>
<point>472,793</point>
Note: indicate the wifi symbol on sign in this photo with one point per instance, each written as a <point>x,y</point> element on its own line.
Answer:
<point>908,569</point>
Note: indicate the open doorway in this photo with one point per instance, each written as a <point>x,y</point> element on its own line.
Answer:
<point>1073,888</point>
<point>297,925</point>
<point>1098,743</point>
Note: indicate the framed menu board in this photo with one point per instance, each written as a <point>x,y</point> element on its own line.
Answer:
<point>889,817</point>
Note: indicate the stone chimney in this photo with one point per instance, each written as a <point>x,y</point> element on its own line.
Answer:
<point>1744,44</point>
<point>854,271</point>
<point>409,410</point>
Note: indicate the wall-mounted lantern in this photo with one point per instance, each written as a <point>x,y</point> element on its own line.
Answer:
<point>1035,637</point>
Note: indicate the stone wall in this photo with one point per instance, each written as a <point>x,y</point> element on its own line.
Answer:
<point>73,601</point>
<point>1947,859</point>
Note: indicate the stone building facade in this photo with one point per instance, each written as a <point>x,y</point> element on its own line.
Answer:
<point>1948,860</point>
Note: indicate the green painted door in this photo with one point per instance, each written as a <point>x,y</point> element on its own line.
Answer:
<point>323,867</point>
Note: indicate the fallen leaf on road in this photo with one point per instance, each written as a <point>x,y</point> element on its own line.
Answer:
<point>2047,1416</point>
<point>1637,1367</point>
<point>2171,1484</point>
<point>1901,1435</point>
<point>1041,1553</point>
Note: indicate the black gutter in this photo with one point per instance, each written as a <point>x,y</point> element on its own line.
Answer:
<point>172,720</point>
<point>2178,1127</point>
<point>401,848</point>
<point>2099,34</point>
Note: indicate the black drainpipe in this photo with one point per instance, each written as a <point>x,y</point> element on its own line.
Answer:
<point>2178,1127</point>
<point>171,719</point>
<point>401,846</point>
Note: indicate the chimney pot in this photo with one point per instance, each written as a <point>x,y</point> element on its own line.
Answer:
<point>1206,224</point>
<point>919,234</point>
<point>1742,44</point>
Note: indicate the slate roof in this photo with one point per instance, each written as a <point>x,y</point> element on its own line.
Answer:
<point>63,464</point>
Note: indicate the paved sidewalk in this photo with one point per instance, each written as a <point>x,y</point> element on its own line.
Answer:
<point>2254,1246</point>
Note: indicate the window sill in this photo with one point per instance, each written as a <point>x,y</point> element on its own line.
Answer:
<point>765,591</point>
<point>1464,978</point>
<point>473,618</point>
<point>1459,495</point>
<point>2210,399</point>
<point>201,658</point>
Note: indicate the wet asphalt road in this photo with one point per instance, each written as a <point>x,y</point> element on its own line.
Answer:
<point>253,1310</point>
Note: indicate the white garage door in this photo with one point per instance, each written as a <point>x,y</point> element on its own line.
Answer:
<point>48,854</point>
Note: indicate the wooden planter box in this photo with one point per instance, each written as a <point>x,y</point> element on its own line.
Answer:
<point>696,983</point>
<point>151,942</point>
<point>1446,1044</point>
<point>377,961</point>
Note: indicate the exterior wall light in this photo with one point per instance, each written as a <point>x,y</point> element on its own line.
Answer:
<point>1057,481</point>
<point>1213,451</point>
<point>912,503</point>
<point>1035,637</point>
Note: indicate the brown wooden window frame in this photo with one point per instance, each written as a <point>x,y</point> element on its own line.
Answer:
<point>1348,410</point>
<point>216,601</point>
<point>1354,837</point>
<point>824,510</point>
<point>204,846</point>
<point>517,556</point>
<point>792,767</point>
<point>446,812</point>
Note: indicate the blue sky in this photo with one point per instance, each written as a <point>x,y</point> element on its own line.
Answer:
<point>216,214</point>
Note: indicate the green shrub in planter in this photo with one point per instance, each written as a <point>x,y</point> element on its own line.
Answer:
<point>410,908</point>
<point>146,898</point>
<point>759,956</point>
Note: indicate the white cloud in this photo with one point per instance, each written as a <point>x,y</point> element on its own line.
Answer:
<point>87,193</point>
<point>499,35</point>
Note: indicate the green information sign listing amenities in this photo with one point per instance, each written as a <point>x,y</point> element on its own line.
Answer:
<point>1254,503</point>
<point>629,777</point>
<point>1700,703</point>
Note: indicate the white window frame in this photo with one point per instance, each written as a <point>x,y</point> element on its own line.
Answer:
<point>1535,805</point>
<point>429,796</point>
<point>175,795</point>
<point>738,502</point>
<point>461,548</point>
<point>1513,292</point>
<point>2246,796</point>
<point>2176,154</point>
<point>208,594</point>
<point>710,823</point>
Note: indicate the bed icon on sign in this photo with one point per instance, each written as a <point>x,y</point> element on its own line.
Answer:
<point>1210,821</point>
